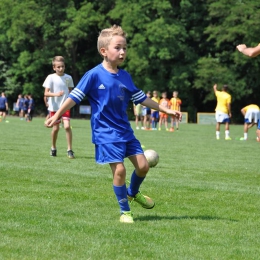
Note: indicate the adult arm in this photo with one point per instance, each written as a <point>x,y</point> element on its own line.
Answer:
<point>249,51</point>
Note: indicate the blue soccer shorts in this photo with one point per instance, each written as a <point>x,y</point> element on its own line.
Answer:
<point>116,152</point>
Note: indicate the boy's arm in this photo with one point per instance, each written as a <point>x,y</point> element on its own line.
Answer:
<point>45,101</point>
<point>249,51</point>
<point>229,110</point>
<point>47,93</point>
<point>134,109</point>
<point>215,88</point>
<point>68,104</point>
<point>243,111</point>
<point>153,105</point>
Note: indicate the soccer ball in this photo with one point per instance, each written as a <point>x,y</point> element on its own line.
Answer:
<point>152,157</point>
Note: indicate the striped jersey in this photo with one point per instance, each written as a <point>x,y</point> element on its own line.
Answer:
<point>109,95</point>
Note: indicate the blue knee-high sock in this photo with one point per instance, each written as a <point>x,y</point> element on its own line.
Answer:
<point>121,195</point>
<point>135,184</point>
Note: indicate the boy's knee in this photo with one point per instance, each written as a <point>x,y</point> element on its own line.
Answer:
<point>67,128</point>
<point>144,169</point>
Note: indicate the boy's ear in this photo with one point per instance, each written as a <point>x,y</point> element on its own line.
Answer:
<point>103,52</point>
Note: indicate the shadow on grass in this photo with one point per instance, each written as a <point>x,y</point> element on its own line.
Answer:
<point>156,218</point>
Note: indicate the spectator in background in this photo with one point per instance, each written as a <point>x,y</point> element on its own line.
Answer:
<point>155,113</point>
<point>223,110</point>
<point>147,114</point>
<point>31,107</point>
<point>20,106</point>
<point>138,109</point>
<point>251,117</point>
<point>165,102</point>
<point>175,105</point>
<point>3,107</point>
<point>25,106</point>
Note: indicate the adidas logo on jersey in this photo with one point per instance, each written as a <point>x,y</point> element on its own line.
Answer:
<point>101,87</point>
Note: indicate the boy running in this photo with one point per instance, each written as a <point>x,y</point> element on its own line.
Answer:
<point>109,90</point>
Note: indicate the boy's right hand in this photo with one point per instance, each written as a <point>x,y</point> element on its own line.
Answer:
<point>60,93</point>
<point>50,122</point>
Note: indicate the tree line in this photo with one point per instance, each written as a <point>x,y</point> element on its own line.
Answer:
<point>182,45</point>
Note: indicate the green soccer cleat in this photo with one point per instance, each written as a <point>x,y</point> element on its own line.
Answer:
<point>143,200</point>
<point>126,217</point>
<point>228,138</point>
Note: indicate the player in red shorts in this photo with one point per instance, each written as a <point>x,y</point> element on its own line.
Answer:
<point>57,88</point>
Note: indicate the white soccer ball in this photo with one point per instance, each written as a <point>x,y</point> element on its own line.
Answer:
<point>152,157</point>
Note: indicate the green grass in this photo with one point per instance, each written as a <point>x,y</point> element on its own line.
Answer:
<point>206,193</point>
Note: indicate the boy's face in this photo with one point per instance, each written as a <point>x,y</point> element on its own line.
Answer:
<point>175,94</point>
<point>116,50</point>
<point>59,67</point>
<point>155,94</point>
<point>163,95</point>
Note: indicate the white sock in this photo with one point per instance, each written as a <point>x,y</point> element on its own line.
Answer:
<point>217,133</point>
<point>245,135</point>
<point>227,133</point>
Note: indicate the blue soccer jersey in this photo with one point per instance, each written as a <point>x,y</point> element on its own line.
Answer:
<point>31,104</point>
<point>20,103</point>
<point>109,95</point>
<point>3,101</point>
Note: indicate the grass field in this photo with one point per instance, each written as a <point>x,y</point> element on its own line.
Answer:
<point>207,195</point>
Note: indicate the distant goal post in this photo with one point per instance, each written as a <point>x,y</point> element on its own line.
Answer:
<point>184,117</point>
<point>206,118</point>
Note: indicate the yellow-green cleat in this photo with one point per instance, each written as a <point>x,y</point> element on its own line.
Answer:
<point>145,201</point>
<point>126,217</point>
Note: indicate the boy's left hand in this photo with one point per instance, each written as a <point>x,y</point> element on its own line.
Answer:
<point>176,114</point>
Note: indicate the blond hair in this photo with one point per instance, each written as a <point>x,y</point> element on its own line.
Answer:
<point>57,58</point>
<point>107,34</point>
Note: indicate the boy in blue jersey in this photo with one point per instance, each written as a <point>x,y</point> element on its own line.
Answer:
<point>25,106</point>
<point>31,106</point>
<point>109,90</point>
<point>19,104</point>
<point>3,107</point>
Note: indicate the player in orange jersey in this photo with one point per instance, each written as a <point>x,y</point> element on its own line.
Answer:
<point>165,102</point>
<point>176,104</point>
